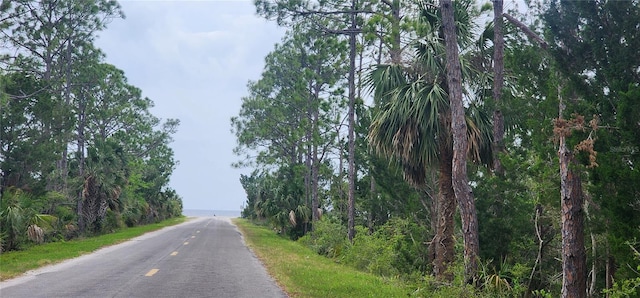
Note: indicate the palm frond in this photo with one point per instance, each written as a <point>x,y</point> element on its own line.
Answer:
<point>411,122</point>
<point>480,135</point>
<point>407,126</point>
<point>383,79</point>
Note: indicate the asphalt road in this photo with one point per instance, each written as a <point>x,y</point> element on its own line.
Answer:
<point>205,257</point>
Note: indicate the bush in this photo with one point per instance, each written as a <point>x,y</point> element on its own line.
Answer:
<point>396,248</point>
<point>13,224</point>
<point>329,238</point>
<point>372,254</point>
<point>112,222</point>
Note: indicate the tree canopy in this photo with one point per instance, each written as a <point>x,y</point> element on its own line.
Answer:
<point>80,146</point>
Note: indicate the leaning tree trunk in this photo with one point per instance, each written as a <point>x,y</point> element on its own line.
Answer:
<point>461,187</point>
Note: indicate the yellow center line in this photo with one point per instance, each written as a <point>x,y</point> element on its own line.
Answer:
<point>175,253</point>
<point>186,243</point>
<point>152,272</point>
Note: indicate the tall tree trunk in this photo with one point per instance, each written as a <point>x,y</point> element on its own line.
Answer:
<point>308,198</point>
<point>610,270</point>
<point>574,269</point>
<point>67,104</point>
<point>315,165</point>
<point>62,164</point>
<point>594,269</point>
<point>446,208</point>
<point>313,160</point>
<point>82,110</point>
<point>431,207</point>
<point>374,204</point>
<point>81,162</point>
<point>461,187</point>
<point>341,193</point>
<point>396,48</point>
<point>498,82</point>
<point>351,231</point>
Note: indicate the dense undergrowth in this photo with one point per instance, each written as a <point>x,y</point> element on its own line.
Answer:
<point>27,219</point>
<point>398,251</point>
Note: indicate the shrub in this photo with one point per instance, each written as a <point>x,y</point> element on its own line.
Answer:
<point>371,253</point>
<point>328,239</point>
<point>396,249</point>
<point>13,224</point>
<point>111,222</point>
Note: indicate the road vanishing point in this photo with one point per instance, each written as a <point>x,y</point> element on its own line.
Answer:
<point>203,257</point>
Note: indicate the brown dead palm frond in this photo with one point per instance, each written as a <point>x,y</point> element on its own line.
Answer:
<point>292,218</point>
<point>480,134</point>
<point>35,233</point>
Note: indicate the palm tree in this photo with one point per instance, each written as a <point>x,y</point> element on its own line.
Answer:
<point>104,178</point>
<point>413,126</point>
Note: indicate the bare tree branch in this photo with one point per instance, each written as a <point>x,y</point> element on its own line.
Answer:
<point>320,12</point>
<point>532,35</point>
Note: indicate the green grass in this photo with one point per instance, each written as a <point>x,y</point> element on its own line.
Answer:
<point>303,273</point>
<point>14,263</point>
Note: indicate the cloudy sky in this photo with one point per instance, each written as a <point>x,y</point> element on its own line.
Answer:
<point>194,59</point>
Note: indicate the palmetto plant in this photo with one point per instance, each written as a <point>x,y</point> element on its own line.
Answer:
<point>13,223</point>
<point>12,226</point>
<point>280,203</point>
<point>105,176</point>
<point>412,124</point>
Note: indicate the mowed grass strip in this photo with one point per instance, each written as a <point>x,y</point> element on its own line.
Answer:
<point>303,273</point>
<point>15,263</point>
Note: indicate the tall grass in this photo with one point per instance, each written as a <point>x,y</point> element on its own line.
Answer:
<point>301,272</point>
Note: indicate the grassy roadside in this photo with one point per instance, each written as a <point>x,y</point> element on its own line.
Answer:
<point>303,273</point>
<point>15,263</point>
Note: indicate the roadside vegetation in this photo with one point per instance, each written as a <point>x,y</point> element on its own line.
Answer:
<point>15,263</point>
<point>330,266</point>
<point>81,154</point>
<point>358,134</point>
<point>303,273</point>
<point>483,148</point>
